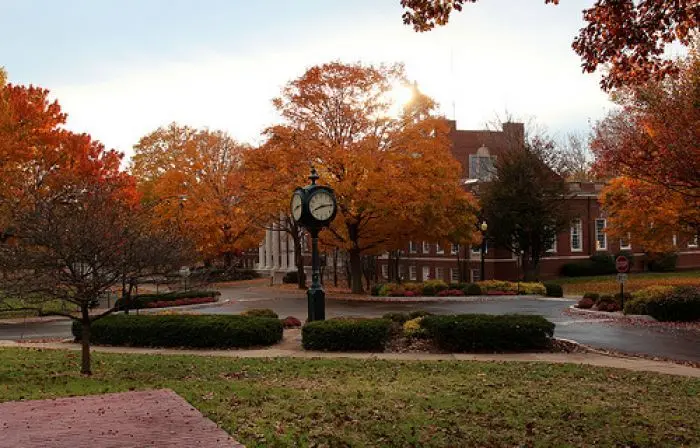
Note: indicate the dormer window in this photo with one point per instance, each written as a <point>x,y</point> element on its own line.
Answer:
<point>481,164</point>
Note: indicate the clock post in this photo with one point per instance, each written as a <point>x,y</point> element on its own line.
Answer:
<point>314,207</point>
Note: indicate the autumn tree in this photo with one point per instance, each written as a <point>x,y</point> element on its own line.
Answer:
<point>651,144</point>
<point>526,204</point>
<point>626,37</point>
<point>391,169</point>
<point>195,180</point>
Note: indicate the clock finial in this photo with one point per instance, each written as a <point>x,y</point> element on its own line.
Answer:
<point>314,176</point>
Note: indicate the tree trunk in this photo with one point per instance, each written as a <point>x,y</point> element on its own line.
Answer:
<point>228,260</point>
<point>356,271</point>
<point>85,340</point>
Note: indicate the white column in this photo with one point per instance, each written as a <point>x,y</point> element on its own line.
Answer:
<point>275,246</point>
<point>285,249</point>
<point>268,249</point>
<point>261,255</point>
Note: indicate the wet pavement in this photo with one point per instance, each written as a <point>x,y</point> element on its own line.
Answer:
<point>602,333</point>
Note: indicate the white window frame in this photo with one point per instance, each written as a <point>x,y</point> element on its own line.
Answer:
<point>439,273</point>
<point>439,249</point>
<point>674,240</point>
<point>455,249</point>
<point>693,243</point>
<point>598,245</point>
<point>426,247</point>
<point>412,247</point>
<point>476,275</point>
<point>412,273</point>
<point>426,273</point>
<point>454,275</point>
<point>553,248</point>
<point>577,225</point>
<point>627,246</point>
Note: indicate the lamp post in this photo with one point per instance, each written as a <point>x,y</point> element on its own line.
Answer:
<point>483,227</point>
<point>314,207</point>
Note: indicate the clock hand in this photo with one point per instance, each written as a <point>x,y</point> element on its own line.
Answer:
<point>322,206</point>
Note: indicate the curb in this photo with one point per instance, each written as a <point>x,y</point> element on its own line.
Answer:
<point>612,314</point>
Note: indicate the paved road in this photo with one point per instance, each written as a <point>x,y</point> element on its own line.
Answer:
<point>603,333</point>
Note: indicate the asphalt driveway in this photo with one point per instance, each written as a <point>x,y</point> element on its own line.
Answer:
<point>603,333</point>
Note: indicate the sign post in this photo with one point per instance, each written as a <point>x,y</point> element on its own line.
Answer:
<point>622,264</point>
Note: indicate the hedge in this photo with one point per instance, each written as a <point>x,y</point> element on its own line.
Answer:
<point>439,288</point>
<point>663,262</point>
<point>346,334</point>
<point>600,264</point>
<point>488,333</point>
<point>682,304</point>
<point>142,300</point>
<point>260,312</point>
<point>183,331</point>
<point>553,290</point>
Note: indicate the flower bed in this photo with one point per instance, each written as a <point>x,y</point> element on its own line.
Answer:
<point>144,300</point>
<point>662,302</point>
<point>438,288</point>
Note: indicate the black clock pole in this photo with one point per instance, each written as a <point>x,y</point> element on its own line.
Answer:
<point>316,296</point>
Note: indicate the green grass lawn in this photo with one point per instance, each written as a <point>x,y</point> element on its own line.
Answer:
<point>608,283</point>
<point>295,402</point>
<point>46,306</point>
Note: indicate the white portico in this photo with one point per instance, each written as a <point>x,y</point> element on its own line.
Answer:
<point>276,253</point>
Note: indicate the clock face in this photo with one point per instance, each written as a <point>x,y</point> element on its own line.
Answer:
<point>321,205</point>
<point>296,206</point>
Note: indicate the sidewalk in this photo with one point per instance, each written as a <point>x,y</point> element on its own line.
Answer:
<point>282,350</point>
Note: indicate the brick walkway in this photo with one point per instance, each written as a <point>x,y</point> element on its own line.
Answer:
<point>156,418</point>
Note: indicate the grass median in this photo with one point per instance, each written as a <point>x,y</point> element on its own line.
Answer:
<point>297,402</point>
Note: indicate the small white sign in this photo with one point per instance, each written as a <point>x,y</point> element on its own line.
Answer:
<point>622,278</point>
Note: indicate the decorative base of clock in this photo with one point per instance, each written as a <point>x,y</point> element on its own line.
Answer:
<point>317,304</point>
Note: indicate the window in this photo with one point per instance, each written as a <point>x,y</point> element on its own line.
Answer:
<point>475,275</point>
<point>439,274</point>
<point>439,249</point>
<point>426,247</point>
<point>552,247</point>
<point>412,274</point>
<point>601,239</point>
<point>625,243</point>
<point>402,271</point>
<point>693,243</point>
<point>412,247</point>
<point>454,275</point>
<point>576,237</point>
<point>476,250</point>
<point>481,164</point>
<point>674,240</point>
<point>385,271</point>
<point>426,273</point>
<point>455,249</point>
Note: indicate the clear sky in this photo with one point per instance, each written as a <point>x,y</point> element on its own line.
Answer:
<point>121,68</point>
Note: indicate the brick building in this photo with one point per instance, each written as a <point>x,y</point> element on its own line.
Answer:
<point>476,151</point>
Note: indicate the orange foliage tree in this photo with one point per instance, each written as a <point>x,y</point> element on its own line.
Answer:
<point>194,178</point>
<point>625,36</point>
<point>652,143</point>
<point>393,173</point>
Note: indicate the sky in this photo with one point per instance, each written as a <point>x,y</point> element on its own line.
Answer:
<point>122,68</point>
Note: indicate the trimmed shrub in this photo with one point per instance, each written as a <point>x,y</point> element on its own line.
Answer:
<point>599,264</point>
<point>139,301</point>
<point>608,303</point>
<point>386,289</point>
<point>291,322</point>
<point>183,331</point>
<point>663,262</point>
<point>346,334</point>
<point>532,288</point>
<point>472,289</point>
<point>483,332</point>
<point>413,329</point>
<point>682,304</point>
<point>637,304</point>
<point>396,317</point>
<point>415,288</point>
<point>553,290</point>
<point>433,287</point>
<point>375,289</point>
<point>418,313</point>
<point>585,303</point>
<point>591,295</point>
<point>260,312</point>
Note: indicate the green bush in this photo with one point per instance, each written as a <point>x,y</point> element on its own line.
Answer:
<point>553,290</point>
<point>663,262</point>
<point>139,301</point>
<point>387,289</point>
<point>200,331</point>
<point>531,288</point>
<point>608,302</point>
<point>591,295</point>
<point>433,287</point>
<point>396,317</point>
<point>682,304</point>
<point>635,306</point>
<point>418,313</point>
<point>260,312</point>
<point>599,264</point>
<point>346,334</point>
<point>375,289</point>
<point>472,289</point>
<point>483,332</point>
